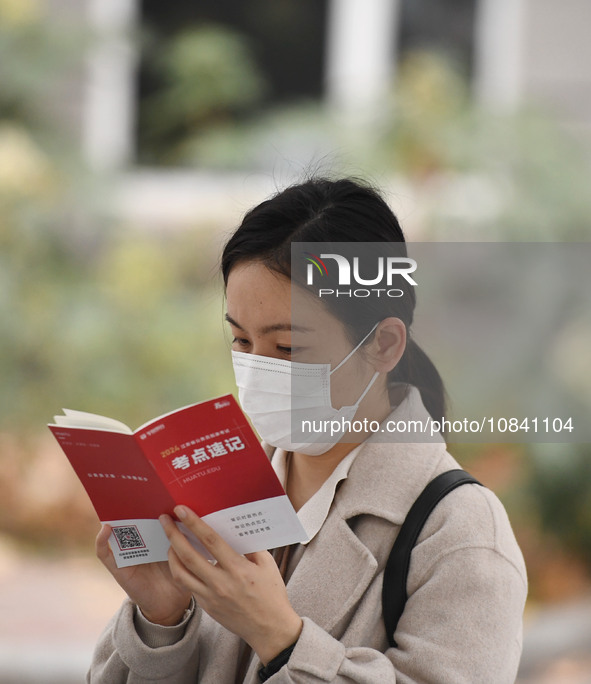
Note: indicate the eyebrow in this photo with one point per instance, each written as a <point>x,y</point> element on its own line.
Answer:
<point>274,327</point>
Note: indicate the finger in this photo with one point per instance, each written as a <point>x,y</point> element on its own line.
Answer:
<point>223,553</point>
<point>194,561</point>
<point>184,576</point>
<point>103,536</point>
<point>260,558</point>
<point>103,550</point>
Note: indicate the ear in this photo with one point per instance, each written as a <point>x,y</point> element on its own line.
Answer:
<point>388,345</point>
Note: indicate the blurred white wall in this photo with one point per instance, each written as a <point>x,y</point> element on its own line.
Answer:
<point>557,59</point>
<point>360,57</point>
<point>109,96</point>
<point>499,54</point>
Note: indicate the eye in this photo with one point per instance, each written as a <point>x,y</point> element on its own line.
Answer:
<point>290,351</point>
<point>240,341</point>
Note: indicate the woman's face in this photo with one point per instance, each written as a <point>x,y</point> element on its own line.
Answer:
<point>259,307</point>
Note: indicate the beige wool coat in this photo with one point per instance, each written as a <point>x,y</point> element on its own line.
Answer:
<point>462,623</point>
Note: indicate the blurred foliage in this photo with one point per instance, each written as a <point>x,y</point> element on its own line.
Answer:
<point>131,329</point>
<point>501,177</point>
<point>559,485</point>
<point>207,74</point>
<point>33,50</point>
<point>477,175</point>
<point>94,314</point>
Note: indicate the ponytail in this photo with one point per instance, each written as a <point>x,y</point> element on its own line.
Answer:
<point>416,368</point>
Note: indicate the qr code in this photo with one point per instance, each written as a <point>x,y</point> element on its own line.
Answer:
<point>128,537</point>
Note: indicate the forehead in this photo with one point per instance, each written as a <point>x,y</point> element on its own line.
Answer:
<point>254,289</point>
<point>257,297</point>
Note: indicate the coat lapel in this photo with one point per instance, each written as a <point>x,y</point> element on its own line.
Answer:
<point>334,548</point>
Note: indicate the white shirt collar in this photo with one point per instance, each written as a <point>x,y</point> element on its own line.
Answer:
<point>315,511</point>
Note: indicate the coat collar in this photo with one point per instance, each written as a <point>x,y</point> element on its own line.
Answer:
<point>387,476</point>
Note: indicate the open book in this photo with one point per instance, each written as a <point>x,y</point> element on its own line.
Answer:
<point>205,456</point>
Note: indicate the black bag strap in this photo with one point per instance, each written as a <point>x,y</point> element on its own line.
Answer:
<point>395,574</point>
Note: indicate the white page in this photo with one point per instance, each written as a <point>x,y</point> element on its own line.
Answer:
<point>254,526</point>
<point>81,419</point>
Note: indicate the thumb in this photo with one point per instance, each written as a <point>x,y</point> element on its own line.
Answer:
<point>103,550</point>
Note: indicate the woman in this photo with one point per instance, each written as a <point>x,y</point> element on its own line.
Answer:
<point>312,613</point>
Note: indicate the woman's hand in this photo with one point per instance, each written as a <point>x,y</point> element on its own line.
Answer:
<point>149,585</point>
<point>246,594</point>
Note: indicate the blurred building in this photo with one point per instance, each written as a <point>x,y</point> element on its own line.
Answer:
<point>343,53</point>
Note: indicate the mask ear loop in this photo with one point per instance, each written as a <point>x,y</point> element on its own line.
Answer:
<point>350,354</point>
<point>366,390</point>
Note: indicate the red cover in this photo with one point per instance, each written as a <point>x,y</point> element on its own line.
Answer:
<point>205,455</point>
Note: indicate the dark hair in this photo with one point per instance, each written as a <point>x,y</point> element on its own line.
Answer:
<point>345,210</point>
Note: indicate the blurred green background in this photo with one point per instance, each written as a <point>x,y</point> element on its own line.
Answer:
<point>101,310</point>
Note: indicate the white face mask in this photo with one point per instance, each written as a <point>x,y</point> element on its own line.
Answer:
<point>277,395</point>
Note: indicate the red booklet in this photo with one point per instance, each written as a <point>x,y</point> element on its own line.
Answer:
<point>205,456</point>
